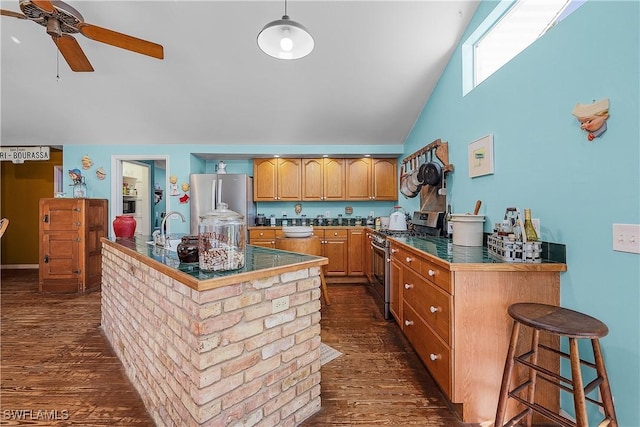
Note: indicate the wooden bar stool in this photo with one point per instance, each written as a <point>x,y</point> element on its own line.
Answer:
<point>563,323</point>
<point>306,245</point>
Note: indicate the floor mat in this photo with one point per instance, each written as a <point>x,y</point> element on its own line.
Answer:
<point>327,354</point>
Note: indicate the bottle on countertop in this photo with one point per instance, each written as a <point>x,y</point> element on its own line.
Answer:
<point>284,220</point>
<point>339,219</point>
<point>272,220</point>
<point>529,229</point>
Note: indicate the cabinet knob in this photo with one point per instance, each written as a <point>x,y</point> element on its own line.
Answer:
<point>393,251</point>
<point>46,259</point>
<point>45,219</point>
<point>434,309</point>
<point>408,322</point>
<point>408,286</point>
<point>432,273</point>
<point>434,356</point>
<point>409,259</point>
<point>335,234</point>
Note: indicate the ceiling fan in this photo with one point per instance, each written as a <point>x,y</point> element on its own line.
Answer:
<point>61,20</point>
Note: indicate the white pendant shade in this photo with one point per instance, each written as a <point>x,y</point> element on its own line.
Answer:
<point>285,39</point>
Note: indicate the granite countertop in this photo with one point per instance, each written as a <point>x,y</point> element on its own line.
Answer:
<point>259,262</point>
<point>445,250</point>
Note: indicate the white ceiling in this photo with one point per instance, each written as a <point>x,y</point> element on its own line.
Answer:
<point>374,65</point>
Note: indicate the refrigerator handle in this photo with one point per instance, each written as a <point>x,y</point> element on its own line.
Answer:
<point>213,195</point>
<point>220,190</point>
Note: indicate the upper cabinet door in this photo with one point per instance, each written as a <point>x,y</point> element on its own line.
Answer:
<point>385,179</point>
<point>61,214</point>
<point>289,179</point>
<point>359,179</point>
<point>334,179</point>
<point>312,179</point>
<point>265,172</point>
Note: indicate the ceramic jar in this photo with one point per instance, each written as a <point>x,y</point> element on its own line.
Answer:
<point>188,249</point>
<point>124,226</point>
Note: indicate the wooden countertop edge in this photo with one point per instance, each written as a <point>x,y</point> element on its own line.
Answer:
<point>497,266</point>
<point>218,282</point>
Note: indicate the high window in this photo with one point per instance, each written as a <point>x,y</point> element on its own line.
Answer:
<point>507,31</point>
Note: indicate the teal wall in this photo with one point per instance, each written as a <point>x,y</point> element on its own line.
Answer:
<point>543,161</point>
<point>182,163</point>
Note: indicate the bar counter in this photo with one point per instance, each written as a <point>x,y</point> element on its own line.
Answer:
<point>225,348</point>
<point>259,262</point>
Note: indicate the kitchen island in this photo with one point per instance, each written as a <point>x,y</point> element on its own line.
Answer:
<point>451,303</point>
<point>215,348</point>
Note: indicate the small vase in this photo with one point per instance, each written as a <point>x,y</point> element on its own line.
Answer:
<point>124,226</point>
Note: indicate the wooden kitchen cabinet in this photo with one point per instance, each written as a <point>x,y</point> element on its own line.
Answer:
<point>335,248</point>
<point>372,179</point>
<point>70,250</point>
<point>323,179</point>
<point>263,236</point>
<point>455,316</point>
<point>356,253</point>
<point>277,180</point>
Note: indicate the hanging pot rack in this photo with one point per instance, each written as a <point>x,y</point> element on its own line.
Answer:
<point>437,147</point>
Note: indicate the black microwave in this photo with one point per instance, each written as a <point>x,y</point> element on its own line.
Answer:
<point>128,206</point>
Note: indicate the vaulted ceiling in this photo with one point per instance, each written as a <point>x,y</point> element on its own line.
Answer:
<point>374,65</point>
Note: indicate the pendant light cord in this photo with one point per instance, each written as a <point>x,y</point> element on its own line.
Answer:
<point>285,8</point>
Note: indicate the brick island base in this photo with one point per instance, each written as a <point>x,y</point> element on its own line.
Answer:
<point>218,357</point>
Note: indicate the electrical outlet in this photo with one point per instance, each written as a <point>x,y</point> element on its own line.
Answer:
<point>626,238</point>
<point>327,214</point>
<point>280,304</point>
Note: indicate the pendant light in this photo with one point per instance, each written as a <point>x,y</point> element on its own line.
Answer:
<point>285,39</point>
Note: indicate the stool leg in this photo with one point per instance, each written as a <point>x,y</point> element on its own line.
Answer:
<point>531,390</point>
<point>579,402</point>
<point>323,285</point>
<point>506,376</point>
<point>605,390</point>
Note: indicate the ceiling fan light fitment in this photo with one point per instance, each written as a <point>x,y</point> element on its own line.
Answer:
<point>61,20</point>
<point>285,39</point>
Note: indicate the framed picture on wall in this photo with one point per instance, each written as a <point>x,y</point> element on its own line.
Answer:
<point>481,157</point>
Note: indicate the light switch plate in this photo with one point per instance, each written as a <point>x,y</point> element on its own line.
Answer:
<point>626,238</point>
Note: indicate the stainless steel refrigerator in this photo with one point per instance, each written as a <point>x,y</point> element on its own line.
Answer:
<point>207,190</point>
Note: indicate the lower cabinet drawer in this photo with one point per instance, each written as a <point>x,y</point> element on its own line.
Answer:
<point>435,354</point>
<point>438,275</point>
<point>263,233</point>
<point>429,301</point>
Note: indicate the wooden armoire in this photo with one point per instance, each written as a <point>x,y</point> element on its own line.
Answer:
<point>70,248</point>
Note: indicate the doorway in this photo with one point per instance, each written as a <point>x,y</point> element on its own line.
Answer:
<point>146,195</point>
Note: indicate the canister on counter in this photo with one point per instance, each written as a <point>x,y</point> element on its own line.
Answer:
<point>221,240</point>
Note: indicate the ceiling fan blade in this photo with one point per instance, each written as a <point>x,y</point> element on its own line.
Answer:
<point>122,41</point>
<point>72,53</point>
<point>13,14</point>
<point>45,5</point>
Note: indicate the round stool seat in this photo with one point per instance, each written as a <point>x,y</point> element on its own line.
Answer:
<point>558,320</point>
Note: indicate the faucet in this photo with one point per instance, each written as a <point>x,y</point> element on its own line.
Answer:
<point>162,238</point>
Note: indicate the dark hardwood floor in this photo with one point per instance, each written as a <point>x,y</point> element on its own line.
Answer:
<point>57,369</point>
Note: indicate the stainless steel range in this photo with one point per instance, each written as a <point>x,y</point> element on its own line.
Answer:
<point>423,223</point>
